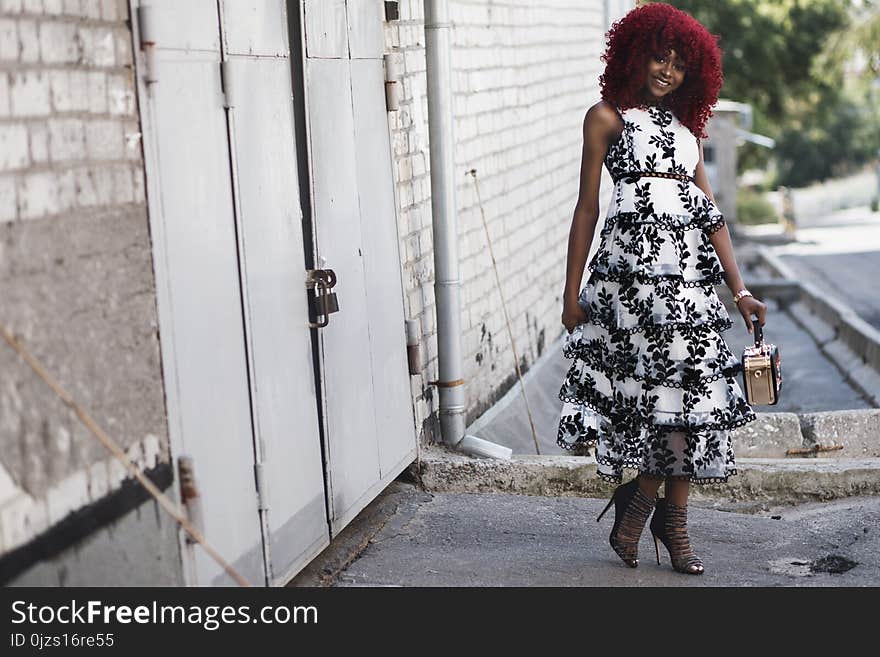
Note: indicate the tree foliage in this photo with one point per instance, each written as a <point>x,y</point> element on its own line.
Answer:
<point>809,70</point>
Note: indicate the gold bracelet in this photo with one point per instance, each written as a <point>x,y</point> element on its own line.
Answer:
<point>742,293</point>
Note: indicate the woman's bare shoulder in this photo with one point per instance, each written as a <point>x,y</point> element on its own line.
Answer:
<point>603,117</point>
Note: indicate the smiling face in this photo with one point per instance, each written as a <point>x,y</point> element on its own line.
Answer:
<point>665,73</point>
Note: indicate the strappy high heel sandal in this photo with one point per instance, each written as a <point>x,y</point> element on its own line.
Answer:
<point>631,510</point>
<point>669,526</point>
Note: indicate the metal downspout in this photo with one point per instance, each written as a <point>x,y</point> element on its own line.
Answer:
<point>447,281</point>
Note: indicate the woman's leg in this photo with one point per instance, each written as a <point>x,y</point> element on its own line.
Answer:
<point>677,491</point>
<point>633,503</point>
<point>649,484</point>
<point>674,516</point>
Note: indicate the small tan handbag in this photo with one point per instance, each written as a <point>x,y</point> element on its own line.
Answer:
<point>762,374</point>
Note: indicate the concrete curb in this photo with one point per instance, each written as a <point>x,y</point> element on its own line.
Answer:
<point>777,481</point>
<point>770,436</point>
<point>857,431</point>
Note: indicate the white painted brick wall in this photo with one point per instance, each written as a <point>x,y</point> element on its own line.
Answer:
<point>69,148</point>
<point>524,74</point>
<point>58,42</point>
<point>8,198</point>
<point>23,516</point>
<point>69,136</point>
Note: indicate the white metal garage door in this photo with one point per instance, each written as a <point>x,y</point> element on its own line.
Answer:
<point>221,155</point>
<point>224,206</point>
<point>370,426</point>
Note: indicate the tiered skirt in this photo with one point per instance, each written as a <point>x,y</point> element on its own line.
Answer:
<point>653,384</point>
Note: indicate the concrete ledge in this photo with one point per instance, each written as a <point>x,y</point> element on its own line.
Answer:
<point>773,434</point>
<point>856,371</point>
<point>861,337</point>
<point>857,430</point>
<point>442,470</point>
<point>770,436</point>
<point>821,331</point>
<point>779,481</point>
<point>843,356</point>
<point>783,290</point>
<point>787,481</point>
<point>775,264</point>
<point>867,380</point>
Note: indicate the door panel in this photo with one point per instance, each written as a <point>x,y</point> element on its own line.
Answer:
<point>370,427</point>
<point>190,25</point>
<point>381,266</point>
<point>366,37</point>
<point>325,28</point>
<point>206,334</point>
<point>353,454</point>
<point>272,261</point>
<point>255,27</point>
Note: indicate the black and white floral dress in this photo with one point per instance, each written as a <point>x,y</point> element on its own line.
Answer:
<point>653,384</point>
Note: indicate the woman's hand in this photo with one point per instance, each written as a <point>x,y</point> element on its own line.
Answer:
<point>572,315</point>
<point>749,306</point>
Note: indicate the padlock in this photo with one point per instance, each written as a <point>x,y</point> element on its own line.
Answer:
<point>326,302</point>
<point>332,302</point>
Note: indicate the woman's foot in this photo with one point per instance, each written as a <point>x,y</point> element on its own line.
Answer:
<point>669,526</point>
<point>631,510</point>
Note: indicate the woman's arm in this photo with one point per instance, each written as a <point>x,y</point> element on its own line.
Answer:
<point>601,126</point>
<point>720,240</point>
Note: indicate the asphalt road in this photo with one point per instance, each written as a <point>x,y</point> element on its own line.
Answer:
<point>408,537</point>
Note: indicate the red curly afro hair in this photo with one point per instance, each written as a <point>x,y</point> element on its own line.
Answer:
<point>655,28</point>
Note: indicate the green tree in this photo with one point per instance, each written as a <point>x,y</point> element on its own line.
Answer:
<point>792,60</point>
<point>769,46</point>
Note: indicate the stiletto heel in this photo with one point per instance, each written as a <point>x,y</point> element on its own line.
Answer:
<point>631,510</point>
<point>669,526</point>
<point>608,506</point>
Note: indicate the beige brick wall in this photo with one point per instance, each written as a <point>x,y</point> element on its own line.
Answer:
<point>69,132</point>
<point>69,136</point>
<point>524,74</point>
<point>76,278</point>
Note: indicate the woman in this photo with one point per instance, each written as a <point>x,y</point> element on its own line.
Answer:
<point>653,385</point>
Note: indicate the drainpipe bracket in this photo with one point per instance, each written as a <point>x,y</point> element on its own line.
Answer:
<point>447,384</point>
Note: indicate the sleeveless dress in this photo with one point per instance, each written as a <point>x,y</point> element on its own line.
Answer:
<point>653,384</point>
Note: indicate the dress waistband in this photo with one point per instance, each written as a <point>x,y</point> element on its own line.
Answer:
<point>633,176</point>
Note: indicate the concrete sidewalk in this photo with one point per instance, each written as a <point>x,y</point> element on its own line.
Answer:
<point>409,537</point>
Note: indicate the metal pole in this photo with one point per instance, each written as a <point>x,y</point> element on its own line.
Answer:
<point>444,218</point>
<point>447,281</point>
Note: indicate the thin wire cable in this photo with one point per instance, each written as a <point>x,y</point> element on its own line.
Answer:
<point>473,173</point>
<point>121,456</point>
